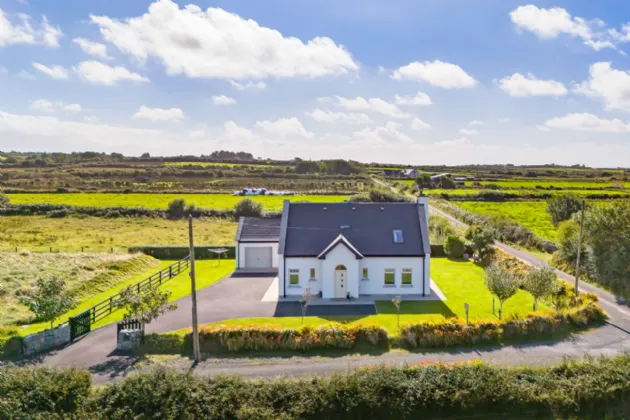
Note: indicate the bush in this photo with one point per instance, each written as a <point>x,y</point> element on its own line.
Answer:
<point>562,207</point>
<point>248,208</point>
<point>31,392</point>
<point>454,246</point>
<point>449,334</point>
<point>4,200</point>
<point>378,196</point>
<point>176,209</point>
<point>58,214</point>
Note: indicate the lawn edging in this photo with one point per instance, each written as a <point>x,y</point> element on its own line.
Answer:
<point>221,338</point>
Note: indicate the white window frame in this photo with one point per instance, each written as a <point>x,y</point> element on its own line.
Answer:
<point>294,272</point>
<point>402,278</point>
<point>391,271</point>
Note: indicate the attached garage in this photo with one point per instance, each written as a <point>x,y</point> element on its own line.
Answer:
<point>257,245</point>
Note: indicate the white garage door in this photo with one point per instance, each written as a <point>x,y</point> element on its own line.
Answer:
<point>258,257</point>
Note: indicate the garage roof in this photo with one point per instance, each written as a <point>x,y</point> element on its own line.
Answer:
<point>258,229</point>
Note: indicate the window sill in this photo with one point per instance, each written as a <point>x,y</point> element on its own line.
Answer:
<point>389,285</point>
<point>312,279</point>
<point>406,285</point>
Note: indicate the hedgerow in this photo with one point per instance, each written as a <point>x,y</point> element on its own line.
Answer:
<point>572,389</point>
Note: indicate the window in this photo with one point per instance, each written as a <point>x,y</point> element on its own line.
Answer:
<point>294,277</point>
<point>406,276</point>
<point>312,273</point>
<point>398,237</point>
<point>390,277</point>
<point>365,274</point>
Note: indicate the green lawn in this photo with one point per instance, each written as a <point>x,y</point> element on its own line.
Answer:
<point>208,272</point>
<point>461,282</point>
<point>160,201</point>
<point>531,214</point>
<point>568,184</point>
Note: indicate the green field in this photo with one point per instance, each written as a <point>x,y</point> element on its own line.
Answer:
<point>39,233</point>
<point>217,164</point>
<point>531,214</point>
<point>160,201</point>
<point>573,184</point>
<point>461,282</point>
<point>473,191</point>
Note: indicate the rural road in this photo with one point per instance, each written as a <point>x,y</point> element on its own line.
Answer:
<point>241,297</point>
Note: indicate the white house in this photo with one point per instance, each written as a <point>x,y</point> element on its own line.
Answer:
<point>346,250</point>
<point>257,244</point>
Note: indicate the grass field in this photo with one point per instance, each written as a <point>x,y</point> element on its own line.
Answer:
<point>39,233</point>
<point>531,214</point>
<point>160,201</point>
<point>208,273</point>
<point>217,164</point>
<point>576,184</point>
<point>85,275</point>
<point>461,282</point>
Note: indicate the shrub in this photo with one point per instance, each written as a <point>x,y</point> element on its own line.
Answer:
<point>248,208</point>
<point>562,207</point>
<point>4,200</point>
<point>176,209</point>
<point>449,333</point>
<point>454,246</point>
<point>481,239</point>
<point>58,214</point>
<point>40,392</point>
<point>378,196</point>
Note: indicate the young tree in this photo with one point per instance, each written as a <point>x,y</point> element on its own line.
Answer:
<point>145,307</point>
<point>424,181</point>
<point>540,283</point>
<point>305,300</point>
<point>248,208</point>
<point>397,301</point>
<point>481,239</point>
<point>501,283</point>
<point>454,246</point>
<point>176,209</point>
<point>562,207</point>
<point>48,300</point>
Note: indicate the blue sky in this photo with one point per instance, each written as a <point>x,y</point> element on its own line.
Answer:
<point>419,82</point>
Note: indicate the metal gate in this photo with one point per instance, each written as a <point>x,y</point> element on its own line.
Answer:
<point>80,325</point>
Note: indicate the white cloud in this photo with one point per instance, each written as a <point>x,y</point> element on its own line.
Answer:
<point>100,73</point>
<point>373,104</point>
<point>223,100</point>
<point>329,116</point>
<point>610,86</point>
<point>518,85</point>
<point>159,114</point>
<point>418,125</point>
<point>551,23</point>
<point>54,72</point>
<point>421,98</point>
<point>462,141</point>
<point>219,44</point>
<point>44,105</point>
<point>284,128</point>
<point>476,122</point>
<point>95,49</point>
<point>587,122</point>
<point>23,32</point>
<point>248,85</point>
<point>436,73</point>
<point>25,75</point>
<point>386,135</point>
<point>469,131</point>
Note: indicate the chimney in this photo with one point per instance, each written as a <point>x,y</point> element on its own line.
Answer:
<point>423,200</point>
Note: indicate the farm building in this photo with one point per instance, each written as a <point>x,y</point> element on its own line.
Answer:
<point>346,250</point>
<point>257,244</point>
<point>410,173</point>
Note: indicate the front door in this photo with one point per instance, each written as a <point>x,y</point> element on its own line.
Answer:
<point>341,280</point>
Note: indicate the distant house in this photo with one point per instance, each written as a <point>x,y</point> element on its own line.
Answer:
<point>437,177</point>
<point>342,250</point>
<point>410,173</point>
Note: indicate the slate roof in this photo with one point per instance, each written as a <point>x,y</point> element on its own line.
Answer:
<point>258,229</point>
<point>309,228</point>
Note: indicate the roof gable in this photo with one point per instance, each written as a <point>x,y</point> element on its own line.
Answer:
<point>340,240</point>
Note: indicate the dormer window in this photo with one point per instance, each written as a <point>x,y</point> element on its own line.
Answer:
<point>398,237</point>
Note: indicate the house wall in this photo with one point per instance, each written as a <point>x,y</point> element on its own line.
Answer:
<point>240,252</point>
<point>375,285</point>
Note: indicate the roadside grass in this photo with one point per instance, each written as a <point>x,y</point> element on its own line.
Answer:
<point>161,201</point>
<point>208,272</point>
<point>86,275</point>
<point>39,233</point>
<point>461,282</point>
<point>531,214</point>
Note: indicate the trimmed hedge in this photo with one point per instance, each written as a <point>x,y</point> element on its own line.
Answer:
<point>179,252</point>
<point>588,389</point>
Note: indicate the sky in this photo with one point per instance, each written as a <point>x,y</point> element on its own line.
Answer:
<point>402,81</point>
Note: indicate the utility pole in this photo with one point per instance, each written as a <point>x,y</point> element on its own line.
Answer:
<point>579,250</point>
<point>193,285</point>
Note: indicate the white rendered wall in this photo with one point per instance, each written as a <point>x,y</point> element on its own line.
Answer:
<point>375,285</point>
<point>240,252</point>
<point>340,255</point>
<point>304,265</point>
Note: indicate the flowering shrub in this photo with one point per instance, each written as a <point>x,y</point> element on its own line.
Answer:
<point>274,337</point>
<point>449,333</point>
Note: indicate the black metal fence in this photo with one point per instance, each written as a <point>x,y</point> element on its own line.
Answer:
<point>106,307</point>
